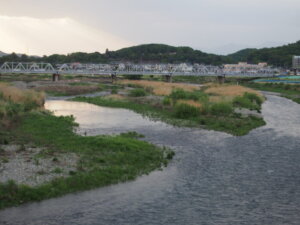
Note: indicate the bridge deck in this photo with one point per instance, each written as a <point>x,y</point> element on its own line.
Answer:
<point>133,69</point>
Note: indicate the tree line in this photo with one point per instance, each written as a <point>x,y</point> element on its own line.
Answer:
<point>160,53</point>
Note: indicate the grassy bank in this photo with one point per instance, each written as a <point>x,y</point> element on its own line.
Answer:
<point>102,160</point>
<point>291,91</point>
<point>210,108</point>
<point>15,102</point>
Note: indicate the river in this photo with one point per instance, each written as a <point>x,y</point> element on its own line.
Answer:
<point>214,179</point>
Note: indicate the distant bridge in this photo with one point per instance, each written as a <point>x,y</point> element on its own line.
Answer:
<point>133,69</point>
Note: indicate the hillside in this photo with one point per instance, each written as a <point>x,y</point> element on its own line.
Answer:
<point>160,53</point>
<point>278,56</point>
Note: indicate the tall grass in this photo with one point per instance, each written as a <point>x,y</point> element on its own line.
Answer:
<point>177,94</point>
<point>137,92</point>
<point>14,101</point>
<point>160,88</point>
<point>184,111</point>
<point>230,90</point>
<point>16,95</point>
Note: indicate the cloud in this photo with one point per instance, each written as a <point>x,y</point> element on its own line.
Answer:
<point>59,35</point>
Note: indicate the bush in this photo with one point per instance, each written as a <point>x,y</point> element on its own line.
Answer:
<point>254,98</point>
<point>249,101</point>
<point>114,90</point>
<point>243,102</point>
<point>138,92</point>
<point>221,108</point>
<point>184,111</point>
<point>181,94</point>
<point>167,101</point>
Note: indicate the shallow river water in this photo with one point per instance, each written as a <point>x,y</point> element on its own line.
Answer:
<point>214,179</point>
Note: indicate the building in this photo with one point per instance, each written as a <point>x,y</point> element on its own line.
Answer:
<point>243,66</point>
<point>296,62</point>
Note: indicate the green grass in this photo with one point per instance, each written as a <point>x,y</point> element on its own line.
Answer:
<point>137,92</point>
<point>103,160</point>
<point>195,95</point>
<point>221,109</point>
<point>185,111</point>
<point>290,91</point>
<point>215,117</point>
<point>249,101</point>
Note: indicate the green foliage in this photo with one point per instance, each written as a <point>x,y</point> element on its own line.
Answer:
<point>195,95</point>
<point>114,90</point>
<point>289,91</point>
<point>167,100</point>
<point>248,100</point>
<point>132,134</point>
<point>221,109</point>
<point>243,102</point>
<point>254,98</point>
<point>138,92</point>
<point>225,120</point>
<point>57,170</point>
<point>103,160</point>
<point>278,56</point>
<point>184,111</point>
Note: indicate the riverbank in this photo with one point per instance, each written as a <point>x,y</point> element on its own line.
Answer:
<point>290,91</point>
<point>51,160</point>
<point>229,108</point>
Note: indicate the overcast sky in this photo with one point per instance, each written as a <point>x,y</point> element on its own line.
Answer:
<point>39,27</point>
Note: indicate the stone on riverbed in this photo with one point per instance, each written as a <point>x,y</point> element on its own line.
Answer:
<point>31,166</point>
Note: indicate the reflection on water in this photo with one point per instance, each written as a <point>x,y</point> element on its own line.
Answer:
<point>102,120</point>
<point>215,178</point>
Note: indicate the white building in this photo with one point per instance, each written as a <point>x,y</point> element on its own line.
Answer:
<point>243,66</point>
<point>296,62</point>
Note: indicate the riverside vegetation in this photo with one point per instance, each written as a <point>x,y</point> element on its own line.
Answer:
<point>102,160</point>
<point>212,107</point>
<point>291,91</point>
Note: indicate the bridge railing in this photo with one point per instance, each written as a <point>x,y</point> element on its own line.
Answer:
<point>132,69</point>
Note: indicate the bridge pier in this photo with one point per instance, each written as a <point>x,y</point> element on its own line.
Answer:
<point>295,72</point>
<point>168,78</point>
<point>113,77</point>
<point>55,77</point>
<point>221,79</point>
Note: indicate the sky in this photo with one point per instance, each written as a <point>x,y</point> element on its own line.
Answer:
<point>43,27</point>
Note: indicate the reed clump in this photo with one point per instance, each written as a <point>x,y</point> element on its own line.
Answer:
<point>14,101</point>
<point>160,88</point>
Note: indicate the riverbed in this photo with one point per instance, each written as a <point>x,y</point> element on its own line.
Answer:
<point>214,179</point>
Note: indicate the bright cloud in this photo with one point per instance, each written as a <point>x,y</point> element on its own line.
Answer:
<point>60,35</point>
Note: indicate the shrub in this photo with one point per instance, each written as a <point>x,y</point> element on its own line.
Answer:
<point>243,102</point>
<point>254,98</point>
<point>181,94</point>
<point>138,92</point>
<point>183,111</point>
<point>221,108</point>
<point>249,101</point>
<point>114,90</point>
<point>167,101</point>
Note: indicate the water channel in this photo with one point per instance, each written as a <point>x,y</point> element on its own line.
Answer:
<point>214,179</point>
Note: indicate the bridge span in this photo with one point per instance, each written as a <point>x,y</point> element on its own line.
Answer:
<point>133,69</point>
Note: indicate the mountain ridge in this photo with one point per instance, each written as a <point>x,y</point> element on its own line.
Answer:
<point>162,53</point>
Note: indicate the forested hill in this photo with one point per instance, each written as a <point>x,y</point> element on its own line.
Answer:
<point>167,54</point>
<point>278,56</point>
<point>159,53</point>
